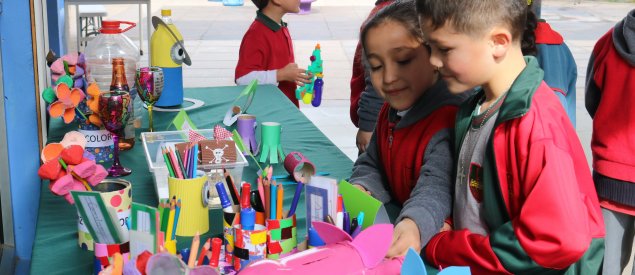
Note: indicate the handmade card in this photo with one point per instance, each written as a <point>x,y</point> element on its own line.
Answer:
<point>182,122</point>
<point>101,221</point>
<point>321,199</point>
<point>144,228</point>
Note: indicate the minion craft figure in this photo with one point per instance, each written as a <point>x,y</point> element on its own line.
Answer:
<point>168,53</point>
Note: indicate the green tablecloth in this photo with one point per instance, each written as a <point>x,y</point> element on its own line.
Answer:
<point>56,251</point>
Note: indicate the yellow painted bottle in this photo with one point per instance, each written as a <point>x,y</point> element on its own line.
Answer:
<point>167,53</point>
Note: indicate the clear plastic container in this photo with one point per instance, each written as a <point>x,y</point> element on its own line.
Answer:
<point>110,43</point>
<point>152,143</point>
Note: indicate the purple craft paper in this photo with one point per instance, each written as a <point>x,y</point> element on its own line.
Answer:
<point>246,127</point>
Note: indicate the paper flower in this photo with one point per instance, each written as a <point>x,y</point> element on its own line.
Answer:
<point>69,167</point>
<point>73,64</point>
<point>93,103</point>
<point>67,101</point>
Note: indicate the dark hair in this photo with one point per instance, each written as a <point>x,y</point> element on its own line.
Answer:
<point>528,43</point>
<point>474,17</point>
<point>260,4</point>
<point>400,11</point>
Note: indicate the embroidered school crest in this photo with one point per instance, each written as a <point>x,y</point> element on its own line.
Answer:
<point>476,182</point>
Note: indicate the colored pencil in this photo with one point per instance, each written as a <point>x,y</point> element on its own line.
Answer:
<point>280,197</point>
<point>191,263</point>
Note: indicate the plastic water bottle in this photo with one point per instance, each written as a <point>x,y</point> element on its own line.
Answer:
<point>112,43</point>
<point>168,55</point>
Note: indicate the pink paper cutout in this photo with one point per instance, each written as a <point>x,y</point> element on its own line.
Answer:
<point>373,249</point>
<point>331,233</point>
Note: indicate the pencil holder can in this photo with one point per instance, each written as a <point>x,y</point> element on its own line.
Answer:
<point>194,213</point>
<point>249,245</point>
<point>117,194</point>
<point>281,237</point>
<point>230,218</point>
<point>105,252</point>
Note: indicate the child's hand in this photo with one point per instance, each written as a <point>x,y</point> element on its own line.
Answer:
<point>363,138</point>
<point>361,188</point>
<point>446,227</point>
<point>291,72</point>
<point>406,235</point>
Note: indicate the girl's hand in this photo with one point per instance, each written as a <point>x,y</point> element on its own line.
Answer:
<point>406,235</point>
<point>362,140</point>
<point>361,188</point>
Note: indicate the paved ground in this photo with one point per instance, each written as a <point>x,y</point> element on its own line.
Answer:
<point>213,33</point>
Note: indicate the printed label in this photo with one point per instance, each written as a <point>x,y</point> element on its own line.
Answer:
<point>97,138</point>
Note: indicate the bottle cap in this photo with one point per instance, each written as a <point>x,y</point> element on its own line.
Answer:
<point>222,194</point>
<point>247,219</point>
<point>166,12</point>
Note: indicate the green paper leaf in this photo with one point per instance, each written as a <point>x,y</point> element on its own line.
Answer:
<point>65,79</point>
<point>49,95</point>
<point>68,71</point>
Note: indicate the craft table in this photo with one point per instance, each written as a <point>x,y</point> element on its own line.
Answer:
<point>55,249</point>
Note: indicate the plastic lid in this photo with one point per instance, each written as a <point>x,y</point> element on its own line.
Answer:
<point>166,12</point>
<point>222,194</point>
<point>114,27</point>
<point>247,219</point>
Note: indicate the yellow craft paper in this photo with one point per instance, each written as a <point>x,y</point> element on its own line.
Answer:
<point>193,216</point>
<point>259,237</point>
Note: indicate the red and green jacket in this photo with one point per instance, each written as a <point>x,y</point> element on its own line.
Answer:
<point>539,201</point>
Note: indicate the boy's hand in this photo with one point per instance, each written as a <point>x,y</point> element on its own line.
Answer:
<point>446,227</point>
<point>363,138</point>
<point>291,72</point>
<point>406,235</point>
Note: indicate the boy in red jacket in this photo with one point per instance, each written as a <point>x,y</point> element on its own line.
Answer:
<point>266,51</point>
<point>609,99</point>
<point>524,200</point>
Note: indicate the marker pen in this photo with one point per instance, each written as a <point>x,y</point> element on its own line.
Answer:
<point>247,214</point>
<point>224,198</point>
<point>216,245</point>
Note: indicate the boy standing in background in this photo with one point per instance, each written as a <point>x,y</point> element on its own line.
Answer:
<point>266,51</point>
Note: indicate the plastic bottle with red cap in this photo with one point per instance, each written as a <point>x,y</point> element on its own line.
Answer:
<point>111,42</point>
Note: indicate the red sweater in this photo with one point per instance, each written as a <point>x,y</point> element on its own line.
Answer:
<point>401,150</point>
<point>267,46</point>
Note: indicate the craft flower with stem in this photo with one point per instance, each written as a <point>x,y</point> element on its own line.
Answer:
<point>67,101</point>
<point>69,167</point>
<point>71,98</point>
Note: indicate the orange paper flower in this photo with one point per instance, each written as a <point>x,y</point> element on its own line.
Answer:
<point>67,101</point>
<point>93,103</point>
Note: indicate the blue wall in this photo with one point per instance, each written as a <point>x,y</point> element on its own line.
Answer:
<point>21,115</point>
<point>55,18</point>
